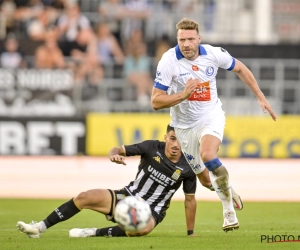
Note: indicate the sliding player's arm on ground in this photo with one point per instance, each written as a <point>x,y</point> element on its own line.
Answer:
<point>190,205</point>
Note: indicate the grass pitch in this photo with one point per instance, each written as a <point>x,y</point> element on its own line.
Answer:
<point>256,220</point>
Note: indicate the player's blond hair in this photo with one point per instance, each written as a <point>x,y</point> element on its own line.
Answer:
<point>187,24</point>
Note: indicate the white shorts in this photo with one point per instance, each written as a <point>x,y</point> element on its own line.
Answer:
<point>190,138</point>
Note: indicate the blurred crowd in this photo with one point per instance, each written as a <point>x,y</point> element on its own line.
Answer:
<point>64,37</point>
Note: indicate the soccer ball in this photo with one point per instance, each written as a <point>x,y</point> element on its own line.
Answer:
<point>132,214</point>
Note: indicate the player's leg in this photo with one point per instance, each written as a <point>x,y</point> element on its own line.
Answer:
<point>220,179</point>
<point>97,199</point>
<point>115,231</point>
<point>204,179</point>
<point>190,145</point>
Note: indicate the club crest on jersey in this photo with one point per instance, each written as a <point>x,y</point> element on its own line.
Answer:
<point>195,68</point>
<point>209,71</point>
<point>176,174</point>
<point>157,158</point>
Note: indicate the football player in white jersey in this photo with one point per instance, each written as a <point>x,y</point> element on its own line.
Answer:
<point>186,83</point>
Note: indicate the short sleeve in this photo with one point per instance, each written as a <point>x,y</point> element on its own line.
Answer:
<point>164,73</point>
<point>225,60</point>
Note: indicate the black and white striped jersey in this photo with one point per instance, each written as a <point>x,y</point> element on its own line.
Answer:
<point>158,178</point>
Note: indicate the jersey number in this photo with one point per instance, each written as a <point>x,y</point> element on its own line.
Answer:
<point>201,93</point>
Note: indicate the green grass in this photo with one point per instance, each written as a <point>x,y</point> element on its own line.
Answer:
<point>255,220</point>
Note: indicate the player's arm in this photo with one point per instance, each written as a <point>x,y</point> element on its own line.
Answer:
<point>117,155</point>
<point>248,78</point>
<point>190,205</point>
<point>160,99</point>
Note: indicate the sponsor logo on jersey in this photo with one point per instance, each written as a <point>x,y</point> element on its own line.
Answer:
<point>195,68</point>
<point>201,93</point>
<point>158,73</point>
<point>209,71</point>
<point>157,158</point>
<point>160,177</point>
<point>185,74</point>
<point>176,174</point>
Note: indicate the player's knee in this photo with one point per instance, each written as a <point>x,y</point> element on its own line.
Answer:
<point>207,155</point>
<point>213,164</point>
<point>81,199</point>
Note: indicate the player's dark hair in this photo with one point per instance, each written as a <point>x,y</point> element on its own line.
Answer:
<point>187,24</point>
<point>169,128</point>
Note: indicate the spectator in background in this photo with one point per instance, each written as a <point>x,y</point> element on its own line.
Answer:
<point>28,9</point>
<point>108,48</point>
<point>58,4</point>
<point>84,53</point>
<point>137,72</point>
<point>38,25</point>
<point>11,57</point>
<point>137,11</point>
<point>69,25</point>
<point>112,12</point>
<point>135,39</point>
<point>7,10</point>
<point>49,55</point>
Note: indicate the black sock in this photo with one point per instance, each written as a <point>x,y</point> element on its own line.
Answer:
<point>62,213</point>
<point>111,231</point>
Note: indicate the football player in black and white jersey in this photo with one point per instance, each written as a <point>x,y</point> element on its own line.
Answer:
<point>161,171</point>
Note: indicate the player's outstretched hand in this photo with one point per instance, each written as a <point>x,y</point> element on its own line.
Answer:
<point>119,159</point>
<point>265,105</point>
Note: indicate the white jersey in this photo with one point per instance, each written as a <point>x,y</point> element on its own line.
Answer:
<point>173,71</point>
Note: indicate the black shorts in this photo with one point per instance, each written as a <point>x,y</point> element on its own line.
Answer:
<point>120,194</point>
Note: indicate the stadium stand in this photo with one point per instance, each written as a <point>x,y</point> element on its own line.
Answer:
<point>273,60</point>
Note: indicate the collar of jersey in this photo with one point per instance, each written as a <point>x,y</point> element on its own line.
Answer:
<point>179,55</point>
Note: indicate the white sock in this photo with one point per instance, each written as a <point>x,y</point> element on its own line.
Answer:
<point>222,186</point>
<point>42,226</point>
